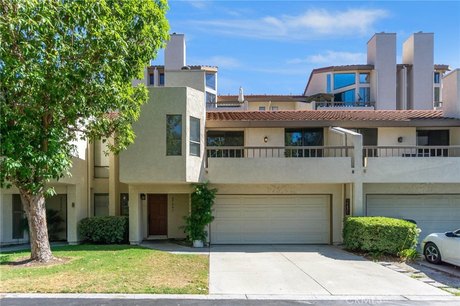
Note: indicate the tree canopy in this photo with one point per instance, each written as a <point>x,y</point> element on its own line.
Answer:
<point>65,74</point>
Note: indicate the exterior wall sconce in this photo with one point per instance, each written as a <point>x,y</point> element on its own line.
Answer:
<point>265,139</point>
<point>400,139</point>
<point>142,196</point>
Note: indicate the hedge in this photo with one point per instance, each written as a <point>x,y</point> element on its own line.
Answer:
<point>379,235</point>
<point>108,230</point>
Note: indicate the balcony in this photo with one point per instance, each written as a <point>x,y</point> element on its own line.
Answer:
<point>343,105</point>
<point>287,165</point>
<point>415,164</point>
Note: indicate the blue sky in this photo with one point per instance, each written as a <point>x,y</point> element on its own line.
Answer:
<point>270,47</point>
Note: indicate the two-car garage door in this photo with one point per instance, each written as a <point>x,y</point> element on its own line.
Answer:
<point>432,212</point>
<point>271,219</point>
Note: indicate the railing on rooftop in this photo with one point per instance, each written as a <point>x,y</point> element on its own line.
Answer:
<point>326,104</point>
<point>225,106</point>
<point>411,151</point>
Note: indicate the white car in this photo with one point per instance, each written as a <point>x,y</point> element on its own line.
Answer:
<point>445,247</point>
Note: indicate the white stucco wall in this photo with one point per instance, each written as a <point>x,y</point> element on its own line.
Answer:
<point>451,94</point>
<point>317,84</point>
<point>190,78</point>
<point>389,136</point>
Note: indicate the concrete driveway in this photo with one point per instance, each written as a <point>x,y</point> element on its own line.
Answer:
<point>305,270</point>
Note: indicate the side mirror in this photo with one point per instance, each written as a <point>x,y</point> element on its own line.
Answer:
<point>450,234</point>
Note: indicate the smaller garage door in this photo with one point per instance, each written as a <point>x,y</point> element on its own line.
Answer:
<point>433,213</point>
<point>267,219</point>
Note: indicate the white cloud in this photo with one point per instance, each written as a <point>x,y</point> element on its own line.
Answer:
<point>199,4</point>
<point>312,24</point>
<point>332,58</point>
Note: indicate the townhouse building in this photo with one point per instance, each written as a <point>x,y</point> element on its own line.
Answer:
<point>288,169</point>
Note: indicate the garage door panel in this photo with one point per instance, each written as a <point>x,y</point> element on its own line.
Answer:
<point>433,213</point>
<point>271,219</point>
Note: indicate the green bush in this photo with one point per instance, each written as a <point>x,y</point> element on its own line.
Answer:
<point>111,229</point>
<point>379,235</point>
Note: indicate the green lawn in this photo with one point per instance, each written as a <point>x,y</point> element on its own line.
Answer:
<point>108,269</point>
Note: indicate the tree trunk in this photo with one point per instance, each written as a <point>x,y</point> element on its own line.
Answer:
<point>34,207</point>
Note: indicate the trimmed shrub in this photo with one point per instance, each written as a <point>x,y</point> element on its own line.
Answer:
<point>379,235</point>
<point>108,230</point>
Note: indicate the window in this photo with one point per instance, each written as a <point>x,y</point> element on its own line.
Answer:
<point>151,79</point>
<point>274,108</point>
<point>101,204</point>
<point>328,83</point>
<point>173,135</point>
<point>343,80</point>
<point>432,138</point>
<point>194,136</point>
<point>210,98</point>
<point>18,218</point>
<point>304,138</point>
<point>437,94</point>
<point>124,201</point>
<point>261,108</point>
<point>162,79</point>
<point>437,78</point>
<point>211,80</point>
<point>364,94</point>
<point>225,139</point>
<point>345,96</point>
<point>364,78</point>
<point>101,159</point>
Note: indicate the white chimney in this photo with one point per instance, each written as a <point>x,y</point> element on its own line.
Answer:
<point>175,52</point>
<point>241,95</point>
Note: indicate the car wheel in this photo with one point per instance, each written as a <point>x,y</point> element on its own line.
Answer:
<point>432,253</point>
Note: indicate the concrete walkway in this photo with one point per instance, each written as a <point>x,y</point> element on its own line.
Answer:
<point>305,270</point>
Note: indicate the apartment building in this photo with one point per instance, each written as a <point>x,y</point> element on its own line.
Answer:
<point>286,171</point>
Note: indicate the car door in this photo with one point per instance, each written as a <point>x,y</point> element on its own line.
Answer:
<point>451,248</point>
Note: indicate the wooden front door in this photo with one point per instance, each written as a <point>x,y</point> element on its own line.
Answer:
<point>158,214</point>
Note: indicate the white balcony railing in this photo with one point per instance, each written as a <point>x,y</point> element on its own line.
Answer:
<point>411,151</point>
<point>278,152</point>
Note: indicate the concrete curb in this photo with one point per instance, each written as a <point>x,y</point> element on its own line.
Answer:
<point>230,297</point>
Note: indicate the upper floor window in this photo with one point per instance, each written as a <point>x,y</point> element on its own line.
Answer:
<point>364,78</point>
<point>345,96</point>
<point>195,136</point>
<point>437,94</point>
<point>210,98</point>
<point>173,135</point>
<point>151,79</point>
<point>101,159</point>
<point>303,138</point>
<point>162,79</point>
<point>328,83</point>
<point>261,108</point>
<point>211,80</point>
<point>364,94</point>
<point>437,78</point>
<point>225,139</point>
<point>343,80</point>
<point>274,108</point>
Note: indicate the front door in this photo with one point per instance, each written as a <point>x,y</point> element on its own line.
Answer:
<point>158,214</point>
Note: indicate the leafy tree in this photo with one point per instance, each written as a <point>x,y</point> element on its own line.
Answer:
<point>66,68</point>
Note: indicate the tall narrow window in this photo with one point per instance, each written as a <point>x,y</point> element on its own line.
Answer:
<point>124,204</point>
<point>364,94</point>
<point>101,159</point>
<point>18,217</point>
<point>328,83</point>
<point>211,80</point>
<point>162,79</point>
<point>101,204</point>
<point>173,135</point>
<point>437,78</point>
<point>437,94</point>
<point>194,136</point>
<point>210,98</point>
<point>151,79</point>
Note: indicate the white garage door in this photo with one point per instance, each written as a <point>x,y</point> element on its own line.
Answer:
<point>433,213</point>
<point>259,219</point>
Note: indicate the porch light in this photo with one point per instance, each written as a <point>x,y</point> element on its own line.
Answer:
<point>142,196</point>
<point>265,139</point>
<point>400,139</point>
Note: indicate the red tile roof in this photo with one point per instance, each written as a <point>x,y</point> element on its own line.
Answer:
<point>326,115</point>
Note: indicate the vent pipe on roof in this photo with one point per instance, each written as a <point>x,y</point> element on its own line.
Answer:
<point>241,95</point>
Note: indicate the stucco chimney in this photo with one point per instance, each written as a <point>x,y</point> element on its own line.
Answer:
<point>451,94</point>
<point>175,52</point>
